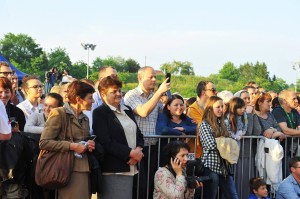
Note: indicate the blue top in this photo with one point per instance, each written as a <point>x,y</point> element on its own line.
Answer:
<point>288,189</point>
<point>253,196</point>
<point>165,126</point>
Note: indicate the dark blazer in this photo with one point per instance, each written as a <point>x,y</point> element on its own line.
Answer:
<point>111,135</point>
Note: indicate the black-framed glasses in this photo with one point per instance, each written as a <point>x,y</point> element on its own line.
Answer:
<point>212,90</point>
<point>37,86</point>
<point>6,73</point>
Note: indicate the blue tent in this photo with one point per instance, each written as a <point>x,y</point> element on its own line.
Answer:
<point>19,73</point>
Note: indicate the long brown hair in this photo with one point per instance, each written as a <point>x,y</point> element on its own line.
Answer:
<point>216,123</point>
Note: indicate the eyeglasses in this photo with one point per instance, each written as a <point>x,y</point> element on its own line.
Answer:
<point>212,90</point>
<point>37,86</point>
<point>6,73</point>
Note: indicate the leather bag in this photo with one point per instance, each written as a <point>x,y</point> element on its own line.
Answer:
<point>54,168</point>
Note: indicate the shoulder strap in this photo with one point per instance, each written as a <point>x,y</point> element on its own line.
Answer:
<point>66,123</point>
<point>260,123</point>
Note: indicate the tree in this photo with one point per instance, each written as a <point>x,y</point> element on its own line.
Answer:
<point>38,66</point>
<point>175,67</point>
<point>78,70</point>
<point>229,71</point>
<point>21,49</point>
<point>186,68</point>
<point>59,58</point>
<point>117,62</point>
<point>131,66</point>
<point>97,64</point>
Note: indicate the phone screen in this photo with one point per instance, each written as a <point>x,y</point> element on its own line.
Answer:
<point>168,75</point>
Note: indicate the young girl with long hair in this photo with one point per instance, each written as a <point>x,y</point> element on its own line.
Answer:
<point>236,118</point>
<point>213,126</point>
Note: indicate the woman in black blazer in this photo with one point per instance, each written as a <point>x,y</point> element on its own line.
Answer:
<point>116,129</point>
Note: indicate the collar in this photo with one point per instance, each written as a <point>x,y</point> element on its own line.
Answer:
<point>122,108</point>
<point>70,111</point>
<point>141,92</point>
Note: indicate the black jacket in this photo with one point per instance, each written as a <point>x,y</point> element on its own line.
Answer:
<point>111,135</point>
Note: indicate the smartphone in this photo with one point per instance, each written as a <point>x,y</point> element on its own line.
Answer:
<point>174,158</point>
<point>168,75</point>
<point>92,137</point>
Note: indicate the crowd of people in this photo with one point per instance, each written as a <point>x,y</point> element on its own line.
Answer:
<point>110,132</point>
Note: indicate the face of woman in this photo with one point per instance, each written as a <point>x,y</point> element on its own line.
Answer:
<point>241,111</point>
<point>246,97</point>
<point>49,104</point>
<point>265,105</point>
<point>218,108</point>
<point>176,108</point>
<point>5,95</point>
<point>113,96</point>
<point>86,103</point>
<point>182,156</point>
<point>35,89</point>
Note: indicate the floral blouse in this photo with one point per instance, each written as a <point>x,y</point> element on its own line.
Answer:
<point>166,185</point>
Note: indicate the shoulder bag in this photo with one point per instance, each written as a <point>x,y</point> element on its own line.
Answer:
<point>54,168</point>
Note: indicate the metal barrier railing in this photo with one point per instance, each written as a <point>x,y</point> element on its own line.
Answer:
<point>245,169</point>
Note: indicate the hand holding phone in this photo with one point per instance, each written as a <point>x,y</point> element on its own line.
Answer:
<point>176,165</point>
<point>168,75</point>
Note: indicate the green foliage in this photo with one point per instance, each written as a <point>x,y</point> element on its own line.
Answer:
<point>131,66</point>
<point>59,58</point>
<point>20,49</point>
<point>229,71</point>
<point>175,67</point>
<point>78,70</point>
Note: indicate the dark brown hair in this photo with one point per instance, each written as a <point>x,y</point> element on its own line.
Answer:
<point>108,82</point>
<point>78,88</point>
<point>167,111</point>
<point>6,84</point>
<point>255,183</point>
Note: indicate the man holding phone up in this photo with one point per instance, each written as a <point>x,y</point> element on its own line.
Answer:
<point>146,106</point>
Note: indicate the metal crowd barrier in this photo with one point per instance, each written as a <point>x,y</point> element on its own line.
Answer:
<point>245,169</point>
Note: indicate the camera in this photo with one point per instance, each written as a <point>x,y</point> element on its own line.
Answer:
<point>13,122</point>
<point>195,172</point>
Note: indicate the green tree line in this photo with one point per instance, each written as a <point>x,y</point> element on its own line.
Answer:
<point>28,56</point>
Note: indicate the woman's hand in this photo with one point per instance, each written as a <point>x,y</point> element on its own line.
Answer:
<point>91,145</point>
<point>177,166</point>
<point>78,148</point>
<point>279,135</point>
<point>179,129</point>
<point>132,161</point>
<point>136,154</point>
<point>268,133</point>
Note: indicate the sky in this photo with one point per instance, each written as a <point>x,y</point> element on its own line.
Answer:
<point>206,33</point>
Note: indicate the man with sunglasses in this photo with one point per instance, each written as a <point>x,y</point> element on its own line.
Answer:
<point>5,70</point>
<point>289,187</point>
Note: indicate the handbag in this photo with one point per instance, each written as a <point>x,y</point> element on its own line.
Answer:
<point>226,167</point>
<point>54,168</point>
<point>228,149</point>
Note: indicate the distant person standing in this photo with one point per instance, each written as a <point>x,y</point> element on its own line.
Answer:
<point>48,83</point>
<point>66,77</point>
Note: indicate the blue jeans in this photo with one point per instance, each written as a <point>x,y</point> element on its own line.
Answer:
<point>226,185</point>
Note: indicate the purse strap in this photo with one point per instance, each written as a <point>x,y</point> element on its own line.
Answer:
<point>67,125</point>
